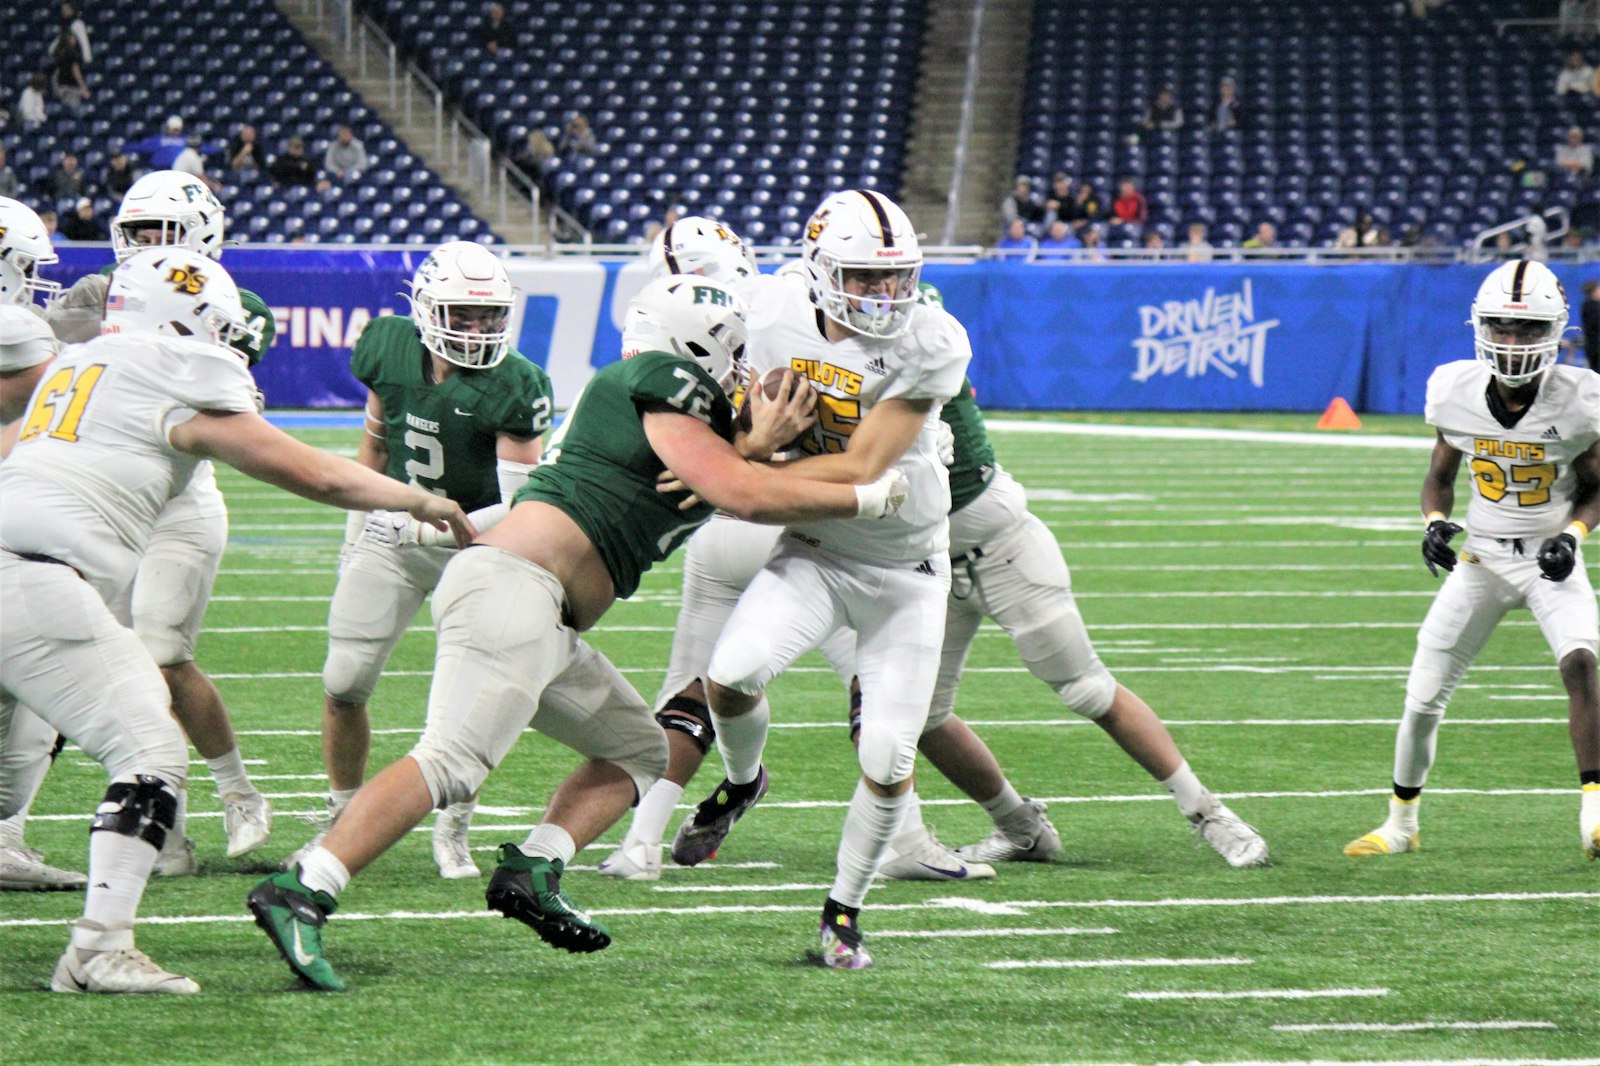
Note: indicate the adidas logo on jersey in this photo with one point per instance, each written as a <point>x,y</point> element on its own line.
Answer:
<point>926,567</point>
<point>877,366</point>
<point>1550,434</point>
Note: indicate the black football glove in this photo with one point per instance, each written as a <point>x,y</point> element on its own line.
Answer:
<point>1436,550</point>
<point>1557,557</point>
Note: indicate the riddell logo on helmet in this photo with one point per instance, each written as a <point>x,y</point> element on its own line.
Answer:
<point>889,253</point>
<point>480,292</point>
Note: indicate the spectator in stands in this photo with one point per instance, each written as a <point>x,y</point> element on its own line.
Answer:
<point>576,137</point>
<point>161,151</point>
<point>1589,320</point>
<point>1197,249</point>
<point>346,156</point>
<point>1164,114</point>
<point>1266,237</point>
<point>82,225</point>
<point>1576,77</point>
<point>48,217</point>
<point>190,161</point>
<point>1058,242</point>
<point>1085,206</point>
<point>1058,204</point>
<point>1022,204</point>
<point>66,60</point>
<point>1227,113</point>
<point>535,157</point>
<point>1155,244</point>
<point>71,23</point>
<point>1130,205</point>
<point>293,168</point>
<point>1093,236</point>
<point>496,33</point>
<point>1016,240</point>
<point>9,184</point>
<point>68,182</point>
<point>30,105</point>
<point>119,175</point>
<point>1362,233</point>
<point>1575,157</point>
<point>246,157</point>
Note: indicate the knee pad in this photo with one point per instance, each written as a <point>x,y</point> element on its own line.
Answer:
<point>452,773</point>
<point>690,717</point>
<point>1059,653</point>
<point>885,756</point>
<point>739,663</point>
<point>348,675</point>
<point>145,808</point>
<point>1089,695</point>
<point>1434,675</point>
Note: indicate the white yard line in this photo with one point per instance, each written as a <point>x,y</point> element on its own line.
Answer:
<point>1404,1027</point>
<point>1112,964</point>
<point>926,934</point>
<point>1269,993</point>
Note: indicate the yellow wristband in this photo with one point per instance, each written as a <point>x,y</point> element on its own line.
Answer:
<point>1432,517</point>
<point>1578,530</point>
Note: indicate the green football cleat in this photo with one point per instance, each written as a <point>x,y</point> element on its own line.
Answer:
<point>293,916</point>
<point>528,888</point>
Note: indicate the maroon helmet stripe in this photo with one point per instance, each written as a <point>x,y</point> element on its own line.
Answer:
<point>1516,281</point>
<point>883,217</point>
<point>666,246</point>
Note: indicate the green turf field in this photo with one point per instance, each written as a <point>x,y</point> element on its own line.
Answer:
<point>1262,594</point>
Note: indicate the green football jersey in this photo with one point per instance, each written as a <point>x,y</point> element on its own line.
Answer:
<point>441,434</point>
<point>258,317</point>
<point>974,466</point>
<point>601,471</point>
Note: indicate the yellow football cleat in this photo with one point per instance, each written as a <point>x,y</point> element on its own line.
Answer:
<point>1383,841</point>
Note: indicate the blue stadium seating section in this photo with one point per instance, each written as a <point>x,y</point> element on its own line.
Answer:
<point>220,63</point>
<point>746,111</point>
<point>1348,106</point>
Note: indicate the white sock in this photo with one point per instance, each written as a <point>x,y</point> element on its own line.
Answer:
<point>11,829</point>
<point>228,769</point>
<point>741,739</point>
<point>1186,789</point>
<point>339,799</point>
<point>1589,811</point>
<point>550,842</point>
<point>92,936</point>
<point>1403,813</point>
<point>461,810</point>
<point>321,871</point>
<point>911,826</point>
<point>870,824</point>
<point>119,868</point>
<point>1003,804</point>
<point>655,811</point>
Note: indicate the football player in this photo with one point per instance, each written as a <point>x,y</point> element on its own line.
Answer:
<point>168,208</point>
<point>113,432</point>
<point>1530,430</point>
<point>453,408</point>
<point>882,366</point>
<point>581,531</point>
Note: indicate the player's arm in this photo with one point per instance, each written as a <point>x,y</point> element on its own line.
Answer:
<point>373,450</point>
<point>1558,555</point>
<point>876,445</point>
<point>715,472</point>
<point>253,446</point>
<point>1438,498</point>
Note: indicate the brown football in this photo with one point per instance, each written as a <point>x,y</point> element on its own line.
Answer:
<point>772,389</point>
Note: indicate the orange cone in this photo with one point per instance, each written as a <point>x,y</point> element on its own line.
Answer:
<point>1338,416</point>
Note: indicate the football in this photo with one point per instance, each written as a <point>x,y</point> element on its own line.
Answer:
<point>772,389</point>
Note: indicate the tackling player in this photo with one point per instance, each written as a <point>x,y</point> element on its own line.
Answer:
<point>115,431</point>
<point>452,408</point>
<point>1530,431</point>
<point>581,532</point>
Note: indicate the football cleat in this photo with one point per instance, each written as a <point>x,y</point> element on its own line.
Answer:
<point>1228,834</point>
<point>247,819</point>
<point>703,832</point>
<point>117,972</point>
<point>528,888</point>
<point>450,850</point>
<point>925,859</point>
<point>633,861</point>
<point>842,945</point>
<point>292,916</point>
<point>1589,821</point>
<point>23,869</point>
<point>177,858</point>
<point>1384,840</point>
<point>1025,835</point>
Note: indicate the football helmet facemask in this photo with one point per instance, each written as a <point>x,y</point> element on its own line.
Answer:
<point>1518,318</point>
<point>176,293</point>
<point>703,246</point>
<point>461,301</point>
<point>693,317</point>
<point>24,247</point>
<point>861,239</point>
<point>168,207</point>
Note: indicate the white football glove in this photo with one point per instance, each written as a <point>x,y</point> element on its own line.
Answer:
<point>390,528</point>
<point>946,442</point>
<point>882,498</point>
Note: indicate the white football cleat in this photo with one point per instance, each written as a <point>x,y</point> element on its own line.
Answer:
<point>247,818</point>
<point>1589,822</point>
<point>177,858</point>
<point>1025,835</point>
<point>1231,836</point>
<point>1384,840</point>
<point>451,852</point>
<point>117,971</point>
<point>23,869</point>
<point>633,861</point>
<point>923,858</point>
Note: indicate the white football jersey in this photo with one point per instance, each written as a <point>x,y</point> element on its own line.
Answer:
<point>928,362</point>
<point>92,468</point>
<point>1522,477</point>
<point>25,339</point>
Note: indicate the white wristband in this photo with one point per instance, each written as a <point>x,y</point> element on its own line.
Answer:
<point>512,475</point>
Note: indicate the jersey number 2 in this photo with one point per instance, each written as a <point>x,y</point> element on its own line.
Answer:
<point>66,384</point>
<point>429,462</point>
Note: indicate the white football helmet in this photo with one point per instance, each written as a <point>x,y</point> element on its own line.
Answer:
<point>176,207</point>
<point>704,246</point>
<point>862,230</point>
<point>693,317</point>
<point>461,300</point>
<point>24,247</point>
<point>176,293</point>
<point>1518,317</point>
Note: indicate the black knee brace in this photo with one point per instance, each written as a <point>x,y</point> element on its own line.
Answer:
<point>855,708</point>
<point>691,717</point>
<point>56,748</point>
<point>144,808</point>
